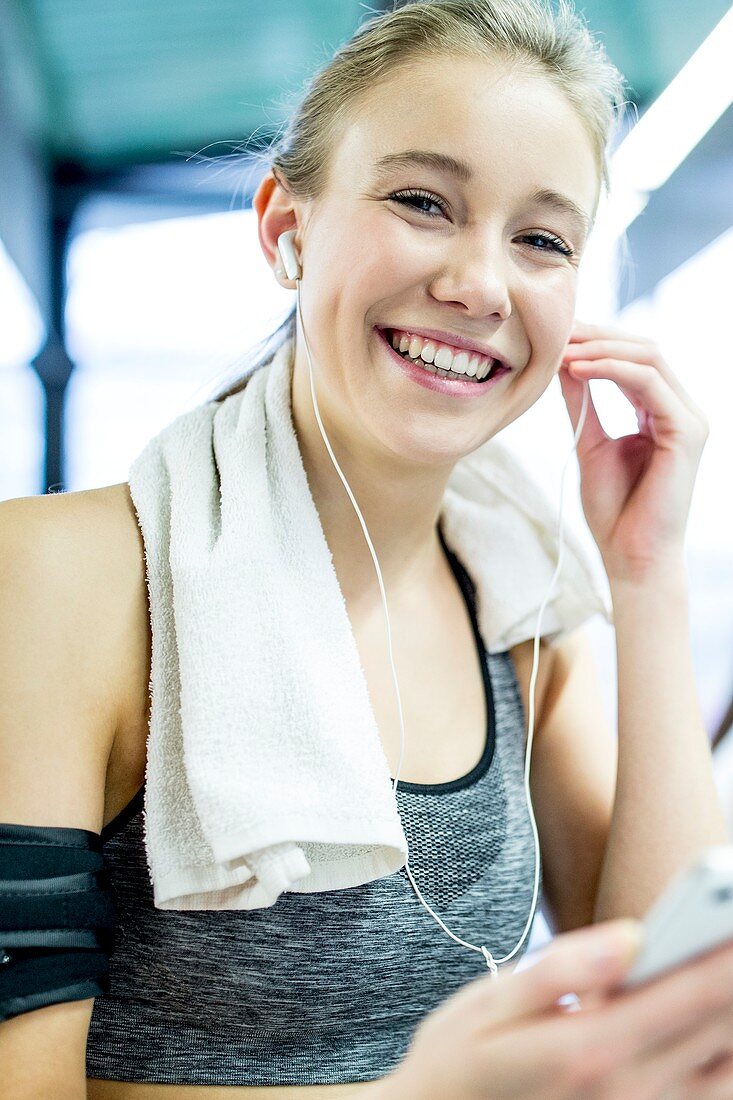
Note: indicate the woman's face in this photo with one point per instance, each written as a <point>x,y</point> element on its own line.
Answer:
<point>475,268</point>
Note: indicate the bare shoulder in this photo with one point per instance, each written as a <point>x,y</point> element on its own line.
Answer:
<point>89,539</point>
<point>87,548</point>
<point>82,522</point>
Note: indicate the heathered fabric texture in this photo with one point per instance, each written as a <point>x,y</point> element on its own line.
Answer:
<point>324,988</point>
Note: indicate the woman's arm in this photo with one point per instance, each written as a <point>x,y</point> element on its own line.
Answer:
<point>572,775</point>
<point>666,807</point>
<point>619,816</point>
<point>636,492</point>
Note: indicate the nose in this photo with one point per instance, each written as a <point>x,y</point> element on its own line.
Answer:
<point>475,277</point>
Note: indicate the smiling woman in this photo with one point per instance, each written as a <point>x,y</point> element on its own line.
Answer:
<point>440,178</point>
<point>437,183</point>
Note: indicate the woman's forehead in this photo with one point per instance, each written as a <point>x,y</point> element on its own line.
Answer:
<point>455,83</point>
<point>457,103</point>
<point>524,128</point>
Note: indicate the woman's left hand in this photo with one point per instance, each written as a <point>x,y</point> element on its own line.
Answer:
<point>636,490</point>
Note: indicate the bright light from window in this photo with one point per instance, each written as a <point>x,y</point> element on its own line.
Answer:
<point>197,287</point>
<point>688,316</point>
<point>22,331</point>
<point>22,334</point>
<point>158,314</point>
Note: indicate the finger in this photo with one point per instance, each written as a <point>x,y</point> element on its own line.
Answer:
<point>653,1040</point>
<point>583,330</point>
<point>641,1021</point>
<point>572,390</point>
<point>714,1082</point>
<point>682,1059</point>
<point>592,958</point>
<point>627,1071</point>
<point>636,349</point>
<point>636,352</point>
<point>645,388</point>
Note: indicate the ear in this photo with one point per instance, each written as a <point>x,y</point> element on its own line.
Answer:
<point>276,213</point>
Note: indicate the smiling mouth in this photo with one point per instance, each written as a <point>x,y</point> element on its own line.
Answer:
<point>451,375</point>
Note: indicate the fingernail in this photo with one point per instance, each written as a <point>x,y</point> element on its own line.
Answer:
<point>622,945</point>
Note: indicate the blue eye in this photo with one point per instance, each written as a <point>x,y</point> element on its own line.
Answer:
<point>550,238</point>
<point>413,198</point>
<point>410,198</point>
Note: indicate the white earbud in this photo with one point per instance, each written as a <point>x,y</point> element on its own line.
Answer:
<point>288,254</point>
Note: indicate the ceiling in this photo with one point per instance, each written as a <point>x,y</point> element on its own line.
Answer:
<point>105,85</point>
<point>138,98</point>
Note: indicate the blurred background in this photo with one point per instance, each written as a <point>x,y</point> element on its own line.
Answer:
<point>132,280</point>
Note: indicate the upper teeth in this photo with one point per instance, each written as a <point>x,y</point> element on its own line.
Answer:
<point>418,347</point>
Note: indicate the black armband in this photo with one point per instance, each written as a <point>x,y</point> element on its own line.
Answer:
<point>57,917</point>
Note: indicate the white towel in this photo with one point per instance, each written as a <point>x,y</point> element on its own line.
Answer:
<point>265,770</point>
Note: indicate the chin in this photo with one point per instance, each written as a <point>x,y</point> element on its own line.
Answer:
<point>422,446</point>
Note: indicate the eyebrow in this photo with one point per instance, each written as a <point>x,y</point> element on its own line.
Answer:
<point>442,162</point>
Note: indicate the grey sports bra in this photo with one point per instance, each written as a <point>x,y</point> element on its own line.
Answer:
<point>329,987</point>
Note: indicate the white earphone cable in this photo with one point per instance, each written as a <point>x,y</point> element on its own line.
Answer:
<point>492,963</point>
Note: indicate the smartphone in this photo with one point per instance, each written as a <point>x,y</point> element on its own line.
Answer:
<point>692,916</point>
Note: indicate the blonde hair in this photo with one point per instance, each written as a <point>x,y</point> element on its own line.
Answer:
<point>528,34</point>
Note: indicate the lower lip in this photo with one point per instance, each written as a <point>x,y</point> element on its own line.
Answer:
<point>447,386</point>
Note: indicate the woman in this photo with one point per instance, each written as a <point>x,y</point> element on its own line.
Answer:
<point>472,247</point>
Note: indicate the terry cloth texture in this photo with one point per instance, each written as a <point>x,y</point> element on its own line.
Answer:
<point>265,770</point>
